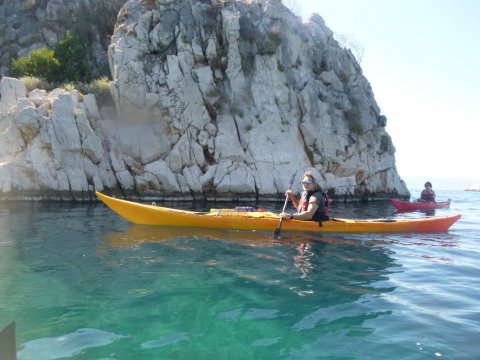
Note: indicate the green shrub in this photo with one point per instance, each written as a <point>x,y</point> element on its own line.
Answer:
<point>319,63</point>
<point>248,31</point>
<point>248,62</point>
<point>101,89</point>
<point>186,39</point>
<point>355,126</point>
<point>69,86</point>
<point>67,62</point>
<point>33,82</point>
<point>212,15</point>
<point>218,63</point>
<point>382,120</point>
<point>72,54</point>
<point>354,121</point>
<point>343,76</point>
<point>386,143</point>
<point>39,63</point>
<point>271,42</point>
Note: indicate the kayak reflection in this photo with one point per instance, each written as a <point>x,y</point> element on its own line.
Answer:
<point>139,234</point>
<point>136,235</point>
<point>404,213</point>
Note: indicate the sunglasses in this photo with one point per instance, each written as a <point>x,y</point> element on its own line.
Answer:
<point>307,182</point>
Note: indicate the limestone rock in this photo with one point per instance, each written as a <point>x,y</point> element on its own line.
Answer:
<point>11,91</point>
<point>221,100</point>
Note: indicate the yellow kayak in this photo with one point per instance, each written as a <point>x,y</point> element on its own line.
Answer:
<point>223,219</point>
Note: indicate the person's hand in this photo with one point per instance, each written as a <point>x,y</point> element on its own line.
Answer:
<point>285,216</point>
<point>289,193</point>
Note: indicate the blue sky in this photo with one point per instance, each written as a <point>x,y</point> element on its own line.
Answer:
<point>422,58</point>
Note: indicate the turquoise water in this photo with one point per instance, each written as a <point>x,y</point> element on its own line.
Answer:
<point>82,283</point>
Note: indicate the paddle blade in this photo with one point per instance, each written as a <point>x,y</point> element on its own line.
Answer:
<point>7,342</point>
<point>276,233</point>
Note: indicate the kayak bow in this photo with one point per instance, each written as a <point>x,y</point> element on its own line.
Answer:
<point>156,215</point>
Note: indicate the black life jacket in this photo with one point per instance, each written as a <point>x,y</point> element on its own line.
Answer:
<point>323,204</point>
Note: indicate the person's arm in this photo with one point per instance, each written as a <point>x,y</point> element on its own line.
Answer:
<point>305,215</point>
<point>292,198</point>
<point>294,201</point>
<point>424,194</point>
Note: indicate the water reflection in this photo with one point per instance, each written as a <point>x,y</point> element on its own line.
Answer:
<point>176,292</point>
<point>303,283</point>
<point>67,345</point>
<point>426,212</point>
<point>165,340</point>
<point>302,261</point>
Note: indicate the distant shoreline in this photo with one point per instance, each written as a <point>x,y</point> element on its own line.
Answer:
<point>468,183</point>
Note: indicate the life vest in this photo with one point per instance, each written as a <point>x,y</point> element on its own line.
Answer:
<point>426,196</point>
<point>322,211</point>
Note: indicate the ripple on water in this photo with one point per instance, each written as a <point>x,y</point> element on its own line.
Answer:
<point>67,345</point>
<point>165,340</point>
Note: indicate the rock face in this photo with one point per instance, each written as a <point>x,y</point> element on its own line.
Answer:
<point>214,100</point>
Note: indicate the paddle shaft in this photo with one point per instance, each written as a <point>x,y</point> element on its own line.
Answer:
<point>276,233</point>
<point>277,230</point>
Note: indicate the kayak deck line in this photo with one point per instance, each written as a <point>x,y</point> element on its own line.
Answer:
<point>138,213</point>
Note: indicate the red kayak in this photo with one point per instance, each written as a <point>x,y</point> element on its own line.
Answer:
<point>419,205</point>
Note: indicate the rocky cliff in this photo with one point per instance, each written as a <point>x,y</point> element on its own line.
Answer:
<point>217,100</point>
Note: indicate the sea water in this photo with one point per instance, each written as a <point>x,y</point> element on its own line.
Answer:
<point>82,283</point>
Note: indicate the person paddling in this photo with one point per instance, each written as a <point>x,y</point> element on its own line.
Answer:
<point>427,194</point>
<point>313,203</point>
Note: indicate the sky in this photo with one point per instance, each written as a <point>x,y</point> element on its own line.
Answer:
<point>422,59</point>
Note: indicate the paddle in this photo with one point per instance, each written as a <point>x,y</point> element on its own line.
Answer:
<point>7,342</point>
<point>276,233</point>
